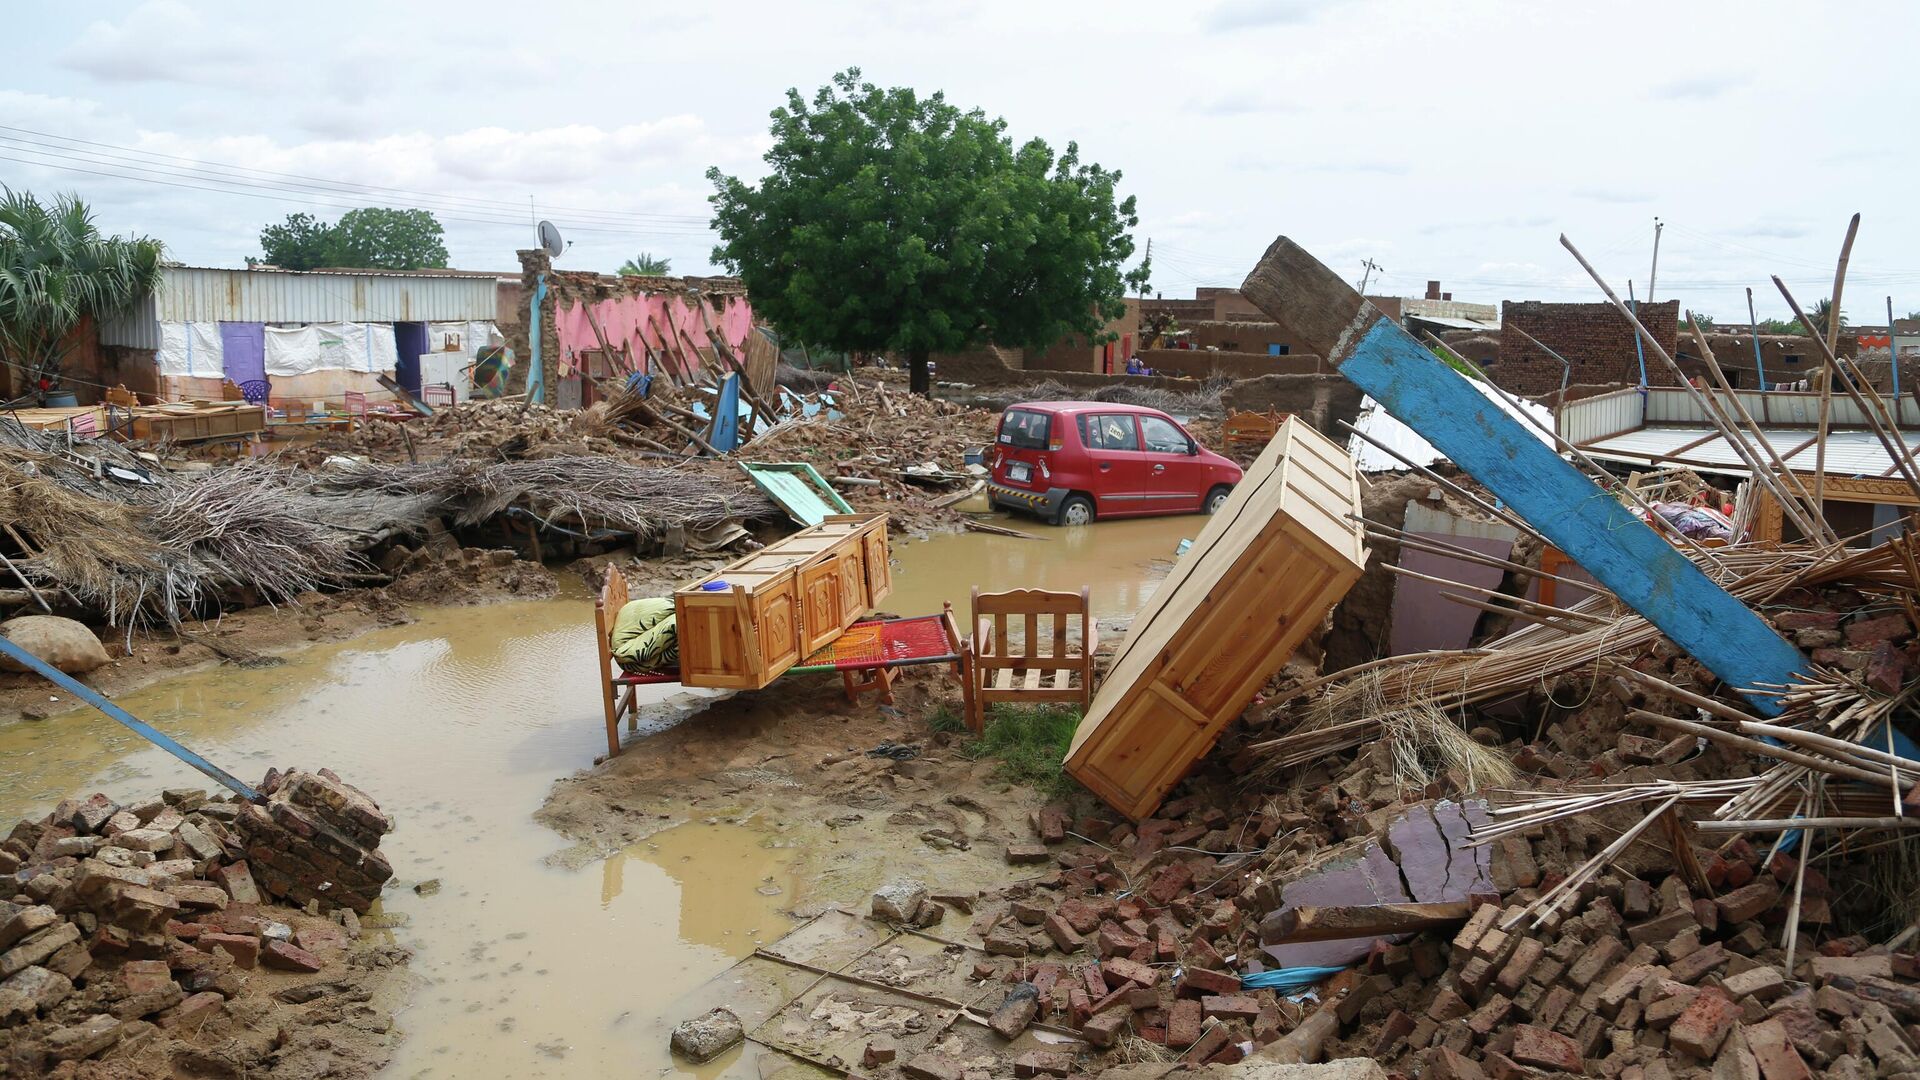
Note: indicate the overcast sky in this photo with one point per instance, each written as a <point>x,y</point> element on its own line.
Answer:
<point>1449,139</point>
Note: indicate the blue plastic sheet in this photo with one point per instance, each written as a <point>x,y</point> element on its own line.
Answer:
<point>1283,979</point>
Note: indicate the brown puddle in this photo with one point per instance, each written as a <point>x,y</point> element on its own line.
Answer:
<point>459,724</point>
<point>1115,560</point>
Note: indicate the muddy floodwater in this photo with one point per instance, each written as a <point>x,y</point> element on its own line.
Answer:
<point>1120,562</point>
<point>459,723</point>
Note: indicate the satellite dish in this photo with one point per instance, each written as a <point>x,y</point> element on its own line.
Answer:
<point>550,239</point>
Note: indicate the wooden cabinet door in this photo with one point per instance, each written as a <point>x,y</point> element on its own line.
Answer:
<point>853,586</point>
<point>879,572</point>
<point>820,605</point>
<point>780,632</point>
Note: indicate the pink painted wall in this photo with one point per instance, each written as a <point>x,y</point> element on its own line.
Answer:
<point>625,319</point>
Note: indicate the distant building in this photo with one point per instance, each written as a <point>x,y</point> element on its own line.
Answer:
<point>309,336</point>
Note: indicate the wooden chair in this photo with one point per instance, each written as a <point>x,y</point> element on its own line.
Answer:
<point>616,683</point>
<point>1251,428</point>
<point>437,395</point>
<point>1041,666</point>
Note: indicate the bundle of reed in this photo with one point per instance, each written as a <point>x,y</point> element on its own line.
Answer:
<point>1347,706</point>
<point>592,492</point>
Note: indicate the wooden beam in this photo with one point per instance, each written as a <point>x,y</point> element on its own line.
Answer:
<point>1622,552</point>
<point>1310,923</point>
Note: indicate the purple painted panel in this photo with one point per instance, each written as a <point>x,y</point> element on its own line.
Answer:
<point>1370,878</point>
<point>243,346</point>
<point>1422,618</point>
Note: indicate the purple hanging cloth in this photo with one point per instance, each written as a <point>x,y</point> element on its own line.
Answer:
<point>244,347</point>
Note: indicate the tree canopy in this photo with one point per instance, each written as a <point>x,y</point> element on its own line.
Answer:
<point>894,222</point>
<point>56,270</point>
<point>647,265</point>
<point>373,238</point>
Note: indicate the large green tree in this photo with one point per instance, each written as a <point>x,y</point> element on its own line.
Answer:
<point>373,238</point>
<point>899,223</point>
<point>57,270</point>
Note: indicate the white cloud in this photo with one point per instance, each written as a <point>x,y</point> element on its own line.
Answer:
<point>160,41</point>
<point>1252,14</point>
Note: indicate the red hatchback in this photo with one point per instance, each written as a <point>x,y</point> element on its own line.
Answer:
<point>1073,461</point>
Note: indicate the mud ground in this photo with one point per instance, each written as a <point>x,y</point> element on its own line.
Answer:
<point>799,756</point>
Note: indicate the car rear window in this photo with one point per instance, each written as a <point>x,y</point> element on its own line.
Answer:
<point>1025,428</point>
<point>1109,431</point>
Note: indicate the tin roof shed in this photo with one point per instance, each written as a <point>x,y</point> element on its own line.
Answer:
<point>209,294</point>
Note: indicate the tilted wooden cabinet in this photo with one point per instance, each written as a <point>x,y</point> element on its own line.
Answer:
<point>1263,574</point>
<point>782,602</point>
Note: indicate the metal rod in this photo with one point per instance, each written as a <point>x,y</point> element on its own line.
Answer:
<point>1753,320</point>
<point>1504,515</point>
<point>146,731</point>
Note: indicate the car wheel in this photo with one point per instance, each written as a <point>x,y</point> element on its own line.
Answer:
<point>1217,498</point>
<point>1076,510</point>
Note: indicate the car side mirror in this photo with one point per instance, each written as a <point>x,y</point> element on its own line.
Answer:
<point>1193,448</point>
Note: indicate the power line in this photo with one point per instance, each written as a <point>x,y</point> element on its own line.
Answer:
<point>127,173</point>
<point>223,169</point>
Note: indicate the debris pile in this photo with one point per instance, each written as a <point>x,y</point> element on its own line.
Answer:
<point>150,932</point>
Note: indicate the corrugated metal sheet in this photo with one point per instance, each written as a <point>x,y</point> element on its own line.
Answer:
<point>1377,423</point>
<point>1849,453</point>
<point>1597,417</point>
<point>201,294</point>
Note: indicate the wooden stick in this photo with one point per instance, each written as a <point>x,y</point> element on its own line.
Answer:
<point>1658,523</point>
<point>1775,483</point>
<point>22,579</point>
<point>1832,341</point>
<point>981,526</point>
<point>1311,923</point>
<point>1828,744</point>
<point>1504,515</point>
<point>1755,746</point>
<point>1771,824</point>
<point>1902,460</point>
<point>1468,555</point>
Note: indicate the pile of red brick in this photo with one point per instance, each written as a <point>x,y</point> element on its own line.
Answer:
<point>1836,632</point>
<point>1644,983</point>
<point>127,921</point>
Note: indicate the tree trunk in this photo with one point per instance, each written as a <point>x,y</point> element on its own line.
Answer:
<point>920,379</point>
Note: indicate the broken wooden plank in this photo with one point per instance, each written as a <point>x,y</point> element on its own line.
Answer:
<point>1604,537</point>
<point>1309,923</point>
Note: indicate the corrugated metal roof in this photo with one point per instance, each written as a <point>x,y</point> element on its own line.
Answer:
<point>1453,324</point>
<point>1377,423</point>
<point>1849,453</point>
<point>206,294</point>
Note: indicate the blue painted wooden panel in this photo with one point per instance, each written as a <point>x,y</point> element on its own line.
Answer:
<point>1603,536</point>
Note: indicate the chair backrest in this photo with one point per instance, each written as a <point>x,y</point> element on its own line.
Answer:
<point>1251,426</point>
<point>120,395</point>
<point>356,403</point>
<point>1038,647</point>
<point>437,394</point>
<point>606,608</point>
<point>82,426</point>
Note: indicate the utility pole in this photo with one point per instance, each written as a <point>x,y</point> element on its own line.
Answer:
<point>1370,266</point>
<point>1893,358</point>
<point>1655,268</point>
<point>1146,264</point>
<point>1753,320</point>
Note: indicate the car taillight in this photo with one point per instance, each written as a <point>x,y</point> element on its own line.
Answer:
<point>1055,444</point>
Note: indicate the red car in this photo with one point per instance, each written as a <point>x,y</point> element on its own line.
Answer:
<point>1073,461</point>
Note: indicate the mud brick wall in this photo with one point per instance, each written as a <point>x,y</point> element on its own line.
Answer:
<point>1207,364</point>
<point>315,839</point>
<point>1595,339</point>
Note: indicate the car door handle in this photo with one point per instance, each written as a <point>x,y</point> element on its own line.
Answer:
<point>1159,468</point>
<point>1106,466</point>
